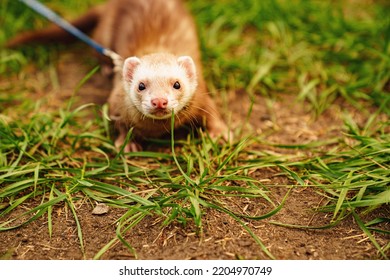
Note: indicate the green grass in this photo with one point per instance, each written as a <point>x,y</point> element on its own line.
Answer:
<point>355,176</point>
<point>321,52</point>
<point>312,44</point>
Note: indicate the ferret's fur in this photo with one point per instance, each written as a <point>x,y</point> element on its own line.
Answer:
<point>162,71</point>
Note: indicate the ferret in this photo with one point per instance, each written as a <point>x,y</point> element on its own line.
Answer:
<point>161,74</point>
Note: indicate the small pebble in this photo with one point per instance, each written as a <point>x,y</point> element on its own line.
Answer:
<point>100,209</point>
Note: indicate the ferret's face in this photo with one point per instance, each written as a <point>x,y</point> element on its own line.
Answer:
<point>159,84</point>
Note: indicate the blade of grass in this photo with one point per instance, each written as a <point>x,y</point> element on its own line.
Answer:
<point>368,233</point>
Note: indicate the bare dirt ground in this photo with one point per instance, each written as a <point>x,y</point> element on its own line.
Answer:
<point>222,237</point>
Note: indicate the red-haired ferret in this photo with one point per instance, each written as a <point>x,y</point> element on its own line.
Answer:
<point>162,71</point>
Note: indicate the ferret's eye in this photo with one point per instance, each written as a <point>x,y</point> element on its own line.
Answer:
<point>176,85</point>
<point>141,86</point>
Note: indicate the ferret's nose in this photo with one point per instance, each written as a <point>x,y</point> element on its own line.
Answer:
<point>159,103</point>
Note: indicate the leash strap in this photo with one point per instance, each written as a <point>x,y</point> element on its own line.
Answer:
<point>55,18</point>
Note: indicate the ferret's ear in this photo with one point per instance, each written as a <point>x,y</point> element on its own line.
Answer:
<point>188,64</point>
<point>129,67</point>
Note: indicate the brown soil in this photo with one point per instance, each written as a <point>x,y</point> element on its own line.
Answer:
<point>222,237</point>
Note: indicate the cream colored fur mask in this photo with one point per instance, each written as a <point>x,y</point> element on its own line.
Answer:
<point>158,84</point>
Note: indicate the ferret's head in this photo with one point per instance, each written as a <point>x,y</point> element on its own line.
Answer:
<point>159,83</point>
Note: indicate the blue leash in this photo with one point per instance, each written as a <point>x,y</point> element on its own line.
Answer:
<point>53,17</point>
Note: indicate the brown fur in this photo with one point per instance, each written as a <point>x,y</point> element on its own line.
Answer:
<point>138,28</point>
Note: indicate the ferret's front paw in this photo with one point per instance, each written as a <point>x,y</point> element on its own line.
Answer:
<point>220,130</point>
<point>132,146</point>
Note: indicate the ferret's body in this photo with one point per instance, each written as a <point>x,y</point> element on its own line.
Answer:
<point>140,27</point>
<point>163,73</point>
